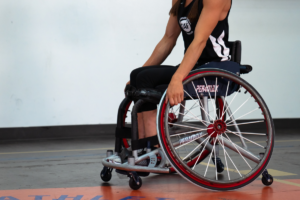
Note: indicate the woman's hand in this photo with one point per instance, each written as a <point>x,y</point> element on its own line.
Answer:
<point>175,92</point>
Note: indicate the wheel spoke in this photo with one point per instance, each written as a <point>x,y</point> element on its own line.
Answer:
<point>190,119</point>
<point>196,117</point>
<point>184,133</point>
<point>210,158</point>
<point>253,122</point>
<point>231,159</point>
<point>224,103</point>
<point>227,106</point>
<point>243,115</point>
<point>225,158</point>
<point>187,126</point>
<point>263,134</point>
<point>193,106</point>
<point>200,106</point>
<point>216,97</point>
<point>238,151</point>
<point>201,153</point>
<point>228,131</point>
<point>197,146</point>
<point>238,108</point>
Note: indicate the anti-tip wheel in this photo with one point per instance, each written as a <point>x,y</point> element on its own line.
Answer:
<point>133,185</point>
<point>267,182</point>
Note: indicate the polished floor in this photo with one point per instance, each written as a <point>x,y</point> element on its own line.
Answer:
<point>69,169</point>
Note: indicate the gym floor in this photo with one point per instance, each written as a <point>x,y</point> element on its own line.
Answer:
<point>60,169</point>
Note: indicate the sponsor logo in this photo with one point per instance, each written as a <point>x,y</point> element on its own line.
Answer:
<point>190,138</point>
<point>208,88</point>
<point>186,25</point>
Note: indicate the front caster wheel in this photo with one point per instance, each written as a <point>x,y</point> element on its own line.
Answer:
<point>105,174</point>
<point>267,182</point>
<point>135,185</point>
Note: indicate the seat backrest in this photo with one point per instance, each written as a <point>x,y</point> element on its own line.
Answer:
<point>236,51</point>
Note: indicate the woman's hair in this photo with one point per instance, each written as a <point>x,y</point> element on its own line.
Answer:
<point>193,14</point>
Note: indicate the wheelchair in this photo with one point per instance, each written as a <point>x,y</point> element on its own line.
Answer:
<point>221,137</point>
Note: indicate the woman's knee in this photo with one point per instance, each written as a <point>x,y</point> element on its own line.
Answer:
<point>144,80</point>
<point>133,75</point>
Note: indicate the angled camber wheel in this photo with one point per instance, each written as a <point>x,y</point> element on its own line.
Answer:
<point>224,117</point>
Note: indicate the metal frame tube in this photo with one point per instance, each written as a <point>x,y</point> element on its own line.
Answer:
<point>243,151</point>
<point>181,110</point>
<point>204,102</point>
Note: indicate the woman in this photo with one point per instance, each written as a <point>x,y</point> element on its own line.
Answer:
<point>204,26</point>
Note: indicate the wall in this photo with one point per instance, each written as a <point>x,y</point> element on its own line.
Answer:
<point>66,62</point>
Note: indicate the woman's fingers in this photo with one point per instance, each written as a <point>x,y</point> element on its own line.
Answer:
<point>179,99</point>
<point>171,100</point>
<point>174,93</point>
<point>174,99</point>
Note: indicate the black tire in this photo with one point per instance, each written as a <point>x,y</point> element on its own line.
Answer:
<point>133,184</point>
<point>266,182</point>
<point>106,177</point>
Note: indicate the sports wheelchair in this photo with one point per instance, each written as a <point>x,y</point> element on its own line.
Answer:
<point>220,137</point>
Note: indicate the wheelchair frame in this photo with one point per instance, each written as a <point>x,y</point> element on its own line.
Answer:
<point>134,171</point>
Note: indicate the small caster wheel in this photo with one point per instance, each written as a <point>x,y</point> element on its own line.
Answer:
<point>267,181</point>
<point>135,185</point>
<point>220,165</point>
<point>105,174</point>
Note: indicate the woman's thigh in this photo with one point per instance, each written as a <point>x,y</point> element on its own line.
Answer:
<point>152,77</point>
<point>143,71</point>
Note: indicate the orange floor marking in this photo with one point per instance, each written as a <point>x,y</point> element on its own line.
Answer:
<point>182,191</point>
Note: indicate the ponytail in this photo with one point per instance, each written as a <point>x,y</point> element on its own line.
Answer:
<point>193,14</point>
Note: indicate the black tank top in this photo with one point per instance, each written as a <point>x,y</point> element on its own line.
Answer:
<point>216,48</point>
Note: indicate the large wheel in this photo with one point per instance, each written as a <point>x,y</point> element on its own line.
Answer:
<point>224,117</point>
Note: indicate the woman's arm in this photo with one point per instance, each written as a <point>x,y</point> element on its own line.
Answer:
<point>212,13</point>
<point>167,43</point>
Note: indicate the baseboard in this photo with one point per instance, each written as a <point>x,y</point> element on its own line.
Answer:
<point>107,130</point>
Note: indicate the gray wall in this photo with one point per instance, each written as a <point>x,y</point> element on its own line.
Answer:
<point>65,62</point>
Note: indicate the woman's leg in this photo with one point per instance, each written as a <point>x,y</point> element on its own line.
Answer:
<point>151,78</point>
<point>140,115</point>
<point>149,123</point>
<point>141,126</point>
<point>143,78</point>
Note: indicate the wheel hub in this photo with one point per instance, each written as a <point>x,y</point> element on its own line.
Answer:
<point>217,128</point>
